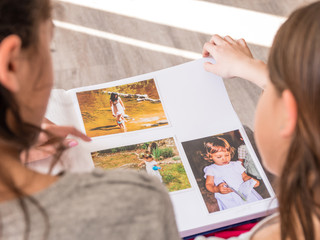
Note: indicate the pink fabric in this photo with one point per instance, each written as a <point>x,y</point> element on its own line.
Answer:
<point>232,232</point>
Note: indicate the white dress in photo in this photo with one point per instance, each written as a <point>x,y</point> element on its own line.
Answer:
<point>117,108</point>
<point>231,174</point>
<point>151,171</point>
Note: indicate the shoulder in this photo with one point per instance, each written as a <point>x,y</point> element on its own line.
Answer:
<point>111,202</point>
<point>100,187</point>
<point>272,231</point>
<point>118,179</point>
<point>237,164</point>
<point>268,232</point>
<point>109,190</point>
<point>210,167</point>
<point>210,171</point>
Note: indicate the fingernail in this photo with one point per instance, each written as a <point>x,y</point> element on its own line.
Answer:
<point>73,143</point>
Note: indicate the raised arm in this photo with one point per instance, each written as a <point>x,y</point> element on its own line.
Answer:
<point>234,59</point>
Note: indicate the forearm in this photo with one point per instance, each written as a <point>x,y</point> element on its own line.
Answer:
<point>246,178</point>
<point>212,188</point>
<point>112,109</point>
<point>255,71</point>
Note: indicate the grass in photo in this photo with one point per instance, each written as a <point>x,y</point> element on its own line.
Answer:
<point>158,158</point>
<point>123,108</point>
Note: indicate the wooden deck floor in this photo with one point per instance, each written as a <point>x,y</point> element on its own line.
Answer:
<point>82,59</point>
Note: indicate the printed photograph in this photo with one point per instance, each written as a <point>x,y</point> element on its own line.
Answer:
<point>158,158</point>
<point>123,108</point>
<point>225,171</point>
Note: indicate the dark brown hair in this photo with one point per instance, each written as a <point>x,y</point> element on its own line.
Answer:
<point>114,97</point>
<point>294,64</point>
<point>21,18</point>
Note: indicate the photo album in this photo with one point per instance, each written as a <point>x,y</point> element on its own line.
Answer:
<point>179,126</point>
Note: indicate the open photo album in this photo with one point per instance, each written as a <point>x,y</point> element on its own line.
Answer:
<point>179,126</point>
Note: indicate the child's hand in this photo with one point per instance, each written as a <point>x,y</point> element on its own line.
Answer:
<point>257,184</point>
<point>230,56</point>
<point>223,189</point>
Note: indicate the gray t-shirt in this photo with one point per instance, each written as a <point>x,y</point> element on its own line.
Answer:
<point>98,205</point>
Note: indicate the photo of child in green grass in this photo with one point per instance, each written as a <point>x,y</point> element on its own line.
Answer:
<point>123,108</point>
<point>158,158</point>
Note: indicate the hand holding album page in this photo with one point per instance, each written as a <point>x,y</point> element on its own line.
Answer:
<point>179,126</point>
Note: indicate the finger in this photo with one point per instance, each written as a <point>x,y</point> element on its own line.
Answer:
<point>242,42</point>
<point>42,152</point>
<point>43,137</point>
<point>70,143</point>
<point>37,153</point>
<point>53,129</point>
<point>226,190</point>
<point>217,40</point>
<point>229,39</point>
<point>257,183</point>
<point>64,131</point>
<point>210,67</point>
<point>208,48</point>
<point>47,121</point>
<point>75,132</point>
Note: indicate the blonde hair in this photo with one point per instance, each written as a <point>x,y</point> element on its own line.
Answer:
<point>216,144</point>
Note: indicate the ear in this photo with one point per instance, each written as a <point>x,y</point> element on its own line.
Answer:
<point>10,48</point>
<point>290,114</point>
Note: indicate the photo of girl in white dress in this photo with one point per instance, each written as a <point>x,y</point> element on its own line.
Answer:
<point>220,175</point>
<point>122,108</point>
<point>225,178</point>
<point>117,108</point>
